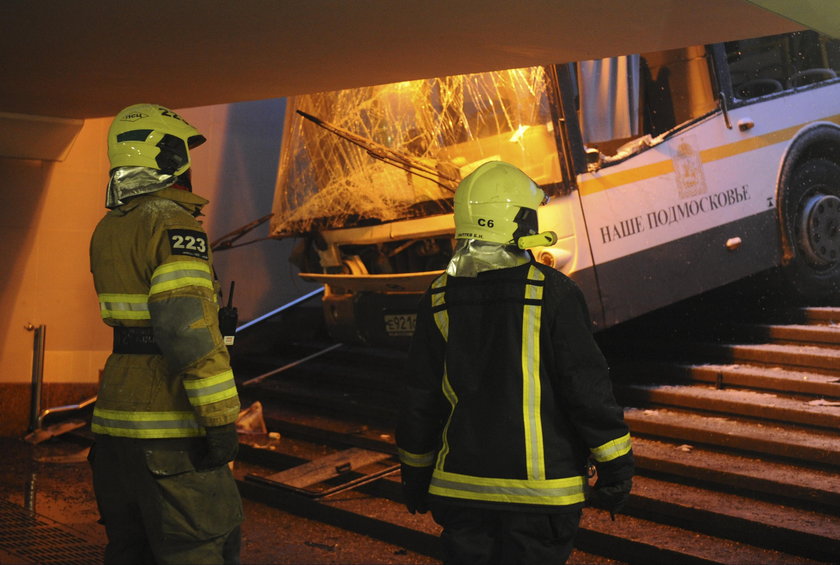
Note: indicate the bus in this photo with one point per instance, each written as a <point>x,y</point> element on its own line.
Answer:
<point>670,173</point>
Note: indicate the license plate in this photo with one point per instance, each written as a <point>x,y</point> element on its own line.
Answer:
<point>400,324</point>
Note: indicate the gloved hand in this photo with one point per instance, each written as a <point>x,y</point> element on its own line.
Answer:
<point>611,496</point>
<point>415,488</point>
<point>222,446</point>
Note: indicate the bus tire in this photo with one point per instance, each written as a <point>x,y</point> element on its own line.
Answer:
<point>811,216</point>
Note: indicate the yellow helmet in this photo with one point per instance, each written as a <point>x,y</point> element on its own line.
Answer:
<point>498,203</point>
<point>149,135</point>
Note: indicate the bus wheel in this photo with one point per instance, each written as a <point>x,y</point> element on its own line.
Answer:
<point>812,218</point>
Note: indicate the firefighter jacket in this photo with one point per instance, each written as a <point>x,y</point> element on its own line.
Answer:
<point>151,266</point>
<point>507,393</point>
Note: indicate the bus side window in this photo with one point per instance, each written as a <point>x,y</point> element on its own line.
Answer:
<point>608,92</point>
<point>658,106</point>
<point>642,95</point>
<point>767,65</point>
<point>756,67</point>
<point>680,88</point>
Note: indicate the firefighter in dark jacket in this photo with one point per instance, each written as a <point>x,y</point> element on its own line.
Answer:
<point>164,420</point>
<point>508,397</point>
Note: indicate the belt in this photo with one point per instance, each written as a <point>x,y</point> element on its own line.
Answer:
<point>135,341</point>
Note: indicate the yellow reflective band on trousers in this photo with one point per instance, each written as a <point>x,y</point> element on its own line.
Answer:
<point>180,274</point>
<point>124,306</point>
<point>210,389</point>
<point>416,459</point>
<point>555,492</point>
<point>612,449</point>
<point>128,423</point>
<point>531,389</point>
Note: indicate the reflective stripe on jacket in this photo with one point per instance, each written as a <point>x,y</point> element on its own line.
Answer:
<point>152,267</point>
<point>507,392</point>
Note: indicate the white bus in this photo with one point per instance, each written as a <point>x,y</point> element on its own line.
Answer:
<point>671,173</point>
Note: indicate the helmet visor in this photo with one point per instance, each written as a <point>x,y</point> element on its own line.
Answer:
<point>526,223</point>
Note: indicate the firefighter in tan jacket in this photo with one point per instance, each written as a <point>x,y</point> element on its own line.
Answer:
<point>165,416</point>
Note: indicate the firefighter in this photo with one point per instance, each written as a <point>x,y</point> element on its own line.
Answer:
<point>507,397</point>
<point>164,420</point>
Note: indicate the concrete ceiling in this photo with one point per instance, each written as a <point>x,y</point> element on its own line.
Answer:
<point>89,58</point>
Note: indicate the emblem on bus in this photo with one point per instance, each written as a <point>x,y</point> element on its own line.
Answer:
<point>688,169</point>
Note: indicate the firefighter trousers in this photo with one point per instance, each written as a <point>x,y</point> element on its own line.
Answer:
<point>473,536</point>
<point>158,509</point>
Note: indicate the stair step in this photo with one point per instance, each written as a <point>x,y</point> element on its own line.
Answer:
<point>769,378</point>
<point>793,482</point>
<point>654,543</point>
<point>730,375</point>
<point>791,356</point>
<point>811,412</point>
<point>818,314</point>
<point>381,518</point>
<point>349,400</point>
<point>757,522</point>
<point>813,334</point>
<point>736,433</point>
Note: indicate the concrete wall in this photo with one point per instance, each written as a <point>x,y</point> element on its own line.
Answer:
<point>48,211</point>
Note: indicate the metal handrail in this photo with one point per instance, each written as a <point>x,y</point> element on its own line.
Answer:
<point>276,311</point>
<point>37,374</point>
<point>66,408</point>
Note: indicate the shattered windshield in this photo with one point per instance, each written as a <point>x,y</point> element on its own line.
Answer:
<point>397,151</point>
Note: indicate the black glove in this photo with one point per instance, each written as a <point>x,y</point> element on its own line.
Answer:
<point>611,496</point>
<point>415,488</point>
<point>222,446</point>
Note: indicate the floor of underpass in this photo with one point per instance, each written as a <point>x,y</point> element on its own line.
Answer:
<point>49,486</point>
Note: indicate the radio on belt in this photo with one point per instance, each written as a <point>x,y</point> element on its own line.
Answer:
<point>228,318</point>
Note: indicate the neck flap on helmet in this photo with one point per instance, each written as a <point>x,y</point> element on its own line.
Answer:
<point>127,182</point>
<point>473,256</point>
